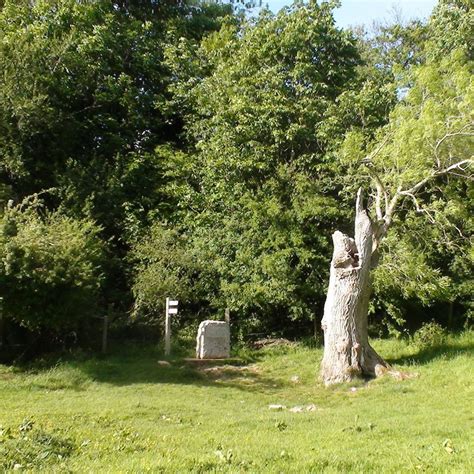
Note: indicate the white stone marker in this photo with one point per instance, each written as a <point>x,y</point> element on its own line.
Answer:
<point>213,340</point>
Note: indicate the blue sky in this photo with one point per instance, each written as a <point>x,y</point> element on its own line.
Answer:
<point>357,12</point>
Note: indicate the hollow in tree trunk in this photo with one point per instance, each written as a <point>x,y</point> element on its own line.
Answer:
<point>347,352</point>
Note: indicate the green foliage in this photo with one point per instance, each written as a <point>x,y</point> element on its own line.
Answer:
<point>265,124</point>
<point>244,139</point>
<point>82,99</point>
<point>272,86</point>
<point>429,336</point>
<point>265,191</point>
<point>406,272</point>
<point>165,266</point>
<point>430,127</point>
<point>50,267</point>
<point>86,107</point>
<point>451,28</point>
<point>428,256</point>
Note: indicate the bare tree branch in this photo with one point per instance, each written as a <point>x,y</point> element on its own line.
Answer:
<point>381,192</point>
<point>461,132</point>
<point>374,153</point>
<point>391,207</point>
<point>359,201</point>
<point>418,207</point>
<point>435,174</point>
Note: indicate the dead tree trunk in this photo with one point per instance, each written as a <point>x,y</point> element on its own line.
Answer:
<point>347,352</point>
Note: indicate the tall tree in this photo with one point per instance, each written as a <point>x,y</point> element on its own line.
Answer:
<point>266,123</point>
<point>85,102</point>
<point>429,140</point>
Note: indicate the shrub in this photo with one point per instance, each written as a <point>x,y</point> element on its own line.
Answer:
<point>429,335</point>
<point>50,267</point>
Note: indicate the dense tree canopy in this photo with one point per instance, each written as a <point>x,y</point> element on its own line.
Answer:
<point>84,102</point>
<point>193,151</point>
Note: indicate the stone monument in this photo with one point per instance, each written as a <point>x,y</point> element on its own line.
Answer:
<point>213,340</point>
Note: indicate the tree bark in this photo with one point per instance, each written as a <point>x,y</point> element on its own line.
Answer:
<point>347,352</point>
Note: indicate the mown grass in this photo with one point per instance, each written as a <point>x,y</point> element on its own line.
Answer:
<point>127,413</point>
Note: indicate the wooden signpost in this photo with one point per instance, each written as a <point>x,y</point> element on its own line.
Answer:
<point>1,321</point>
<point>105,327</point>
<point>171,308</point>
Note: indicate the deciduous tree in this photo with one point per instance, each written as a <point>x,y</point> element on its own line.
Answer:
<point>428,142</point>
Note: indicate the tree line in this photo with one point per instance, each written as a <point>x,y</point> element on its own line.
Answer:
<point>188,149</point>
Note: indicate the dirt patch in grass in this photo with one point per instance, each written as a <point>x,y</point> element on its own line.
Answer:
<point>231,371</point>
<point>272,342</point>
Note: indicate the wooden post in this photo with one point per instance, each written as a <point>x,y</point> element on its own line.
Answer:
<point>2,323</point>
<point>450,315</point>
<point>105,329</point>
<point>167,329</point>
<point>227,315</point>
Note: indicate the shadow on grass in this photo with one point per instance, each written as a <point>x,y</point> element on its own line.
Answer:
<point>445,351</point>
<point>145,370</point>
<point>131,364</point>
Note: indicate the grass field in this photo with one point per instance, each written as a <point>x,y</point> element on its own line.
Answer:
<point>127,413</point>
